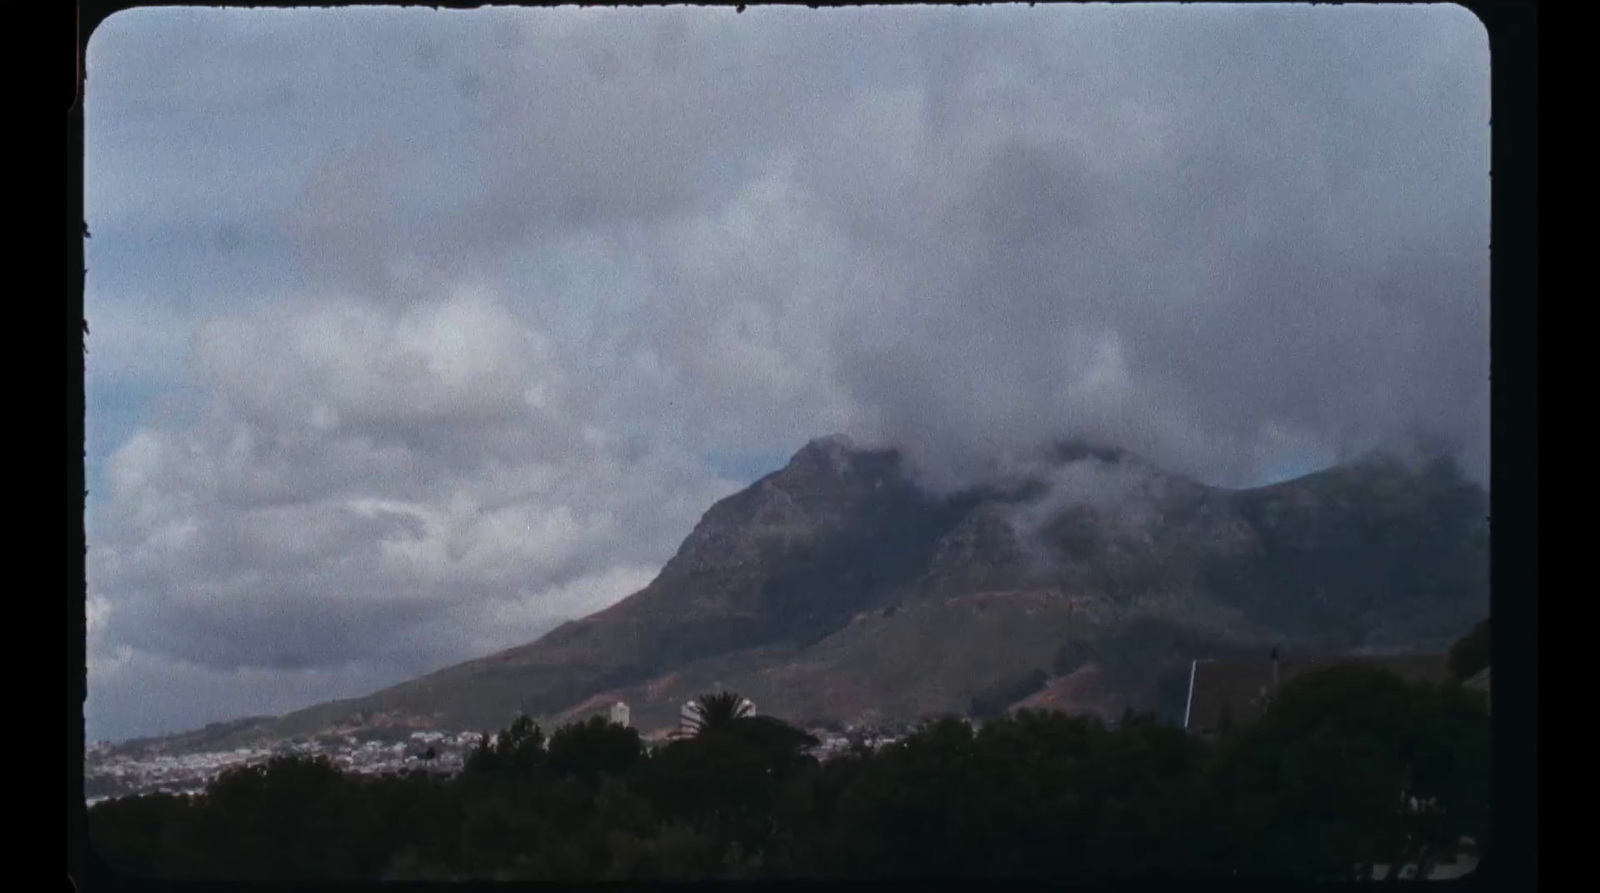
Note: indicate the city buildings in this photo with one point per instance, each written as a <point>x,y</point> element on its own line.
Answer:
<point>108,773</point>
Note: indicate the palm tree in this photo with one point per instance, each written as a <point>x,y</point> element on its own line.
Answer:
<point>711,712</point>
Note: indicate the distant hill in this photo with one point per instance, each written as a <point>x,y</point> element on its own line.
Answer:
<point>837,589</point>
<point>215,736</point>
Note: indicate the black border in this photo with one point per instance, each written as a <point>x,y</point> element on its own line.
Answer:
<point>1513,864</point>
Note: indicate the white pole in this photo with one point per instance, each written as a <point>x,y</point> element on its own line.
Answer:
<point>1189,704</point>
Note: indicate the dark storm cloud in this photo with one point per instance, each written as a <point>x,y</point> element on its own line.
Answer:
<point>466,310</point>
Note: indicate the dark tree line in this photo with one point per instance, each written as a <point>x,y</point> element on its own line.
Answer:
<point>1350,767</point>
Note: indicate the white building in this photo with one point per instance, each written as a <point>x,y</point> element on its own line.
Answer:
<point>689,716</point>
<point>619,713</point>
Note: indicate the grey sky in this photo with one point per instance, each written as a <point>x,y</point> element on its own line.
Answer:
<point>416,332</point>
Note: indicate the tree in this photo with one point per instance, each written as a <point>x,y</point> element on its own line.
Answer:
<point>517,749</point>
<point>711,712</point>
<point>594,748</point>
<point>146,836</point>
<point>1351,767</point>
<point>1450,773</point>
<point>780,743</point>
<point>291,818</point>
<point>1472,653</point>
<point>732,780</point>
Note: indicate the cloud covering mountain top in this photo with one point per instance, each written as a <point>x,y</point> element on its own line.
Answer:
<point>416,332</point>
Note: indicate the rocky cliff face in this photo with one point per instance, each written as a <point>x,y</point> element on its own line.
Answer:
<point>837,588</point>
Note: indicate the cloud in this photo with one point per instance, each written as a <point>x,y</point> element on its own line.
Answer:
<point>370,485</point>
<point>417,332</point>
<point>137,693</point>
<point>1232,254</point>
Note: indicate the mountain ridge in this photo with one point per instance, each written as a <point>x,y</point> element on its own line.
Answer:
<point>837,588</point>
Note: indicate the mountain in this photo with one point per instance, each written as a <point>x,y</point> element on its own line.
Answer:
<point>216,736</point>
<point>837,589</point>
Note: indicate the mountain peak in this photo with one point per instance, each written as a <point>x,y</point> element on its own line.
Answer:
<point>839,456</point>
<point>831,442</point>
<point>834,448</point>
<point>1077,449</point>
